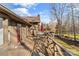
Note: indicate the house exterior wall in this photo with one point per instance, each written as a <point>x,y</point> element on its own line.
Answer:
<point>10,31</point>
<point>10,28</point>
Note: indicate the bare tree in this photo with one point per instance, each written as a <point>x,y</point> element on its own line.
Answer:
<point>73,21</point>
<point>58,11</point>
<point>65,26</point>
<point>66,16</point>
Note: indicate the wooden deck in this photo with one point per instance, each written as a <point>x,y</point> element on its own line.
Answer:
<point>24,49</point>
<point>40,45</point>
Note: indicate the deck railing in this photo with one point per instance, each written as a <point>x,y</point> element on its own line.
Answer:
<point>46,45</point>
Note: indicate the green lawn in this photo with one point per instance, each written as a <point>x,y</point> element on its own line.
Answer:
<point>72,36</point>
<point>71,48</point>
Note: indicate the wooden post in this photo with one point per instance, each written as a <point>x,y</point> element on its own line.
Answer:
<point>38,28</point>
<point>29,31</point>
<point>20,32</point>
<point>13,33</point>
<point>23,32</point>
<point>5,31</point>
<point>26,31</point>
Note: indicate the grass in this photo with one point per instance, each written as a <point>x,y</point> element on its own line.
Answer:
<point>72,36</point>
<point>69,47</point>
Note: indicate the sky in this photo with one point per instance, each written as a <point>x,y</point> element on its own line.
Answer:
<point>31,9</point>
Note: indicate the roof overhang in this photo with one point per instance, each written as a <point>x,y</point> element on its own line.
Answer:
<point>6,11</point>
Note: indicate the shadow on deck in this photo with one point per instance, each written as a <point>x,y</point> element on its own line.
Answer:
<point>25,46</point>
